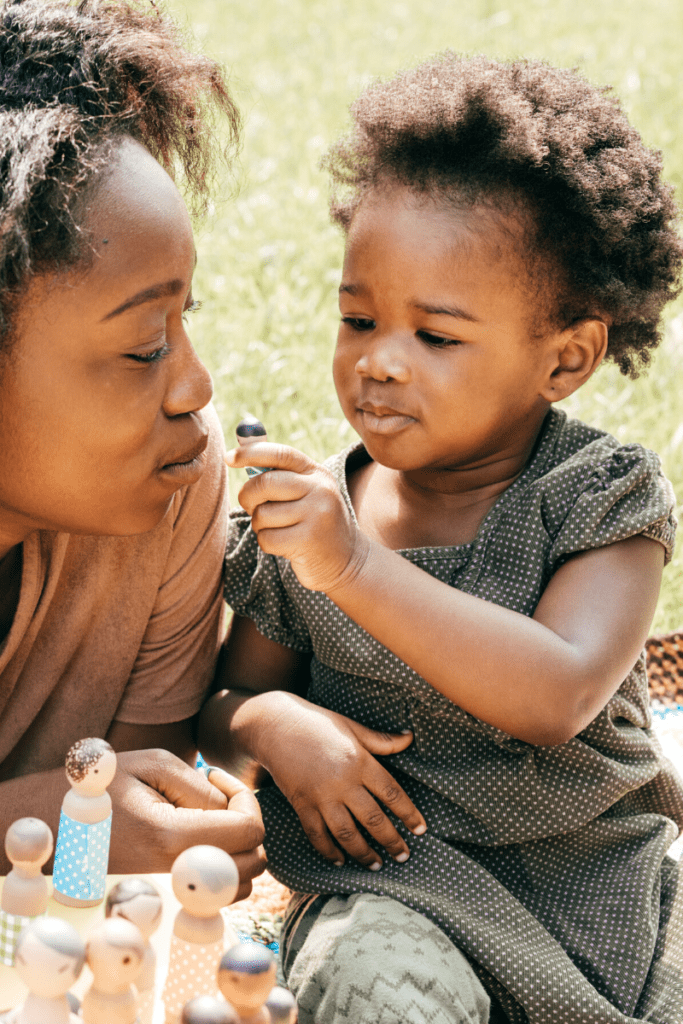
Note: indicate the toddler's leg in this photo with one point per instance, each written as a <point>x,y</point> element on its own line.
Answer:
<point>368,959</point>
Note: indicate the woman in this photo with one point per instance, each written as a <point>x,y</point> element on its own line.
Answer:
<point>112,486</point>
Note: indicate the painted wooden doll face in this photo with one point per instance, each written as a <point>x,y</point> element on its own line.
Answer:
<point>143,910</point>
<point>28,843</point>
<point>246,990</point>
<point>45,971</point>
<point>115,952</point>
<point>95,777</point>
<point>195,894</point>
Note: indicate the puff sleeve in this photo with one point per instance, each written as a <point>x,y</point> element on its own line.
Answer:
<point>254,587</point>
<point>623,493</point>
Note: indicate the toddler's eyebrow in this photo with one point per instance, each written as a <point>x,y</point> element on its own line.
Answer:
<point>459,314</point>
<point>426,307</point>
<point>157,291</point>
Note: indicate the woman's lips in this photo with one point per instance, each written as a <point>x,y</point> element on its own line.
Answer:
<point>187,466</point>
<point>190,454</point>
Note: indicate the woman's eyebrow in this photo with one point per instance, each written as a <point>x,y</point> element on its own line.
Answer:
<point>157,291</point>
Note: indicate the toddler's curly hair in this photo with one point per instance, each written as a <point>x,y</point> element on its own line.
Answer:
<point>74,78</point>
<point>527,136</point>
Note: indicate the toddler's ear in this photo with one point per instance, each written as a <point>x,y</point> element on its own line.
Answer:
<point>577,353</point>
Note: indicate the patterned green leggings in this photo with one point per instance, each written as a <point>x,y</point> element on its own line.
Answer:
<point>367,959</point>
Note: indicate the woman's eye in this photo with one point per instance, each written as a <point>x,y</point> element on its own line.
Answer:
<point>357,323</point>
<point>192,308</point>
<point>150,357</point>
<point>436,340</point>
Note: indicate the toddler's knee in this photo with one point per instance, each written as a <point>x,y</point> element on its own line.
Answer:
<point>370,960</point>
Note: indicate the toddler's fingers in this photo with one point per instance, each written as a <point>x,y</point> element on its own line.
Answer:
<point>269,455</point>
<point>384,786</point>
<point>344,829</point>
<point>367,811</point>
<point>314,826</point>
<point>278,488</point>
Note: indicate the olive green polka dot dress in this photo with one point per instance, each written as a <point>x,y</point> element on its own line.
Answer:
<point>546,866</point>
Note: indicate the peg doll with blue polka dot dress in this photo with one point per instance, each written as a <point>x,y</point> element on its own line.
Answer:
<point>82,851</point>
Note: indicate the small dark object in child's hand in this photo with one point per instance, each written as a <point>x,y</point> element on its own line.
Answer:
<point>248,431</point>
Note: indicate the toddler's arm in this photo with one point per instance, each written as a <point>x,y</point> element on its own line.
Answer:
<point>321,761</point>
<point>541,679</point>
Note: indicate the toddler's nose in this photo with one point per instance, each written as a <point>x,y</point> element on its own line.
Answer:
<point>384,358</point>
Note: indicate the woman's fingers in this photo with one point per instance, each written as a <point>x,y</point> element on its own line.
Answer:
<point>240,798</point>
<point>161,809</point>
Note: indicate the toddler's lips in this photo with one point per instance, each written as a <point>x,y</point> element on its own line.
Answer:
<point>383,420</point>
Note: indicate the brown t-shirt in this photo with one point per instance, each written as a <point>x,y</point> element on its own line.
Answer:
<point>114,628</point>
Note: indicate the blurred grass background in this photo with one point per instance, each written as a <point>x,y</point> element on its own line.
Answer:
<point>269,261</point>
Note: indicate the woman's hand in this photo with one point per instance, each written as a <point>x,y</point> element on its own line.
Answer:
<point>161,806</point>
<point>297,512</point>
<point>323,763</point>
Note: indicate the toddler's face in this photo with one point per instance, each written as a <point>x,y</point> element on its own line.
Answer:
<point>434,365</point>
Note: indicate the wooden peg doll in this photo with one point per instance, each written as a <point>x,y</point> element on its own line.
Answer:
<point>137,901</point>
<point>49,958</point>
<point>281,1006</point>
<point>28,844</point>
<point>204,879</point>
<point>207,1010</point>
<point>114,952</point>
<point>246,975</point>
<point>82,853</point>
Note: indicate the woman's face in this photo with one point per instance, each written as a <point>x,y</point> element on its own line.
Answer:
<point>101,394</point>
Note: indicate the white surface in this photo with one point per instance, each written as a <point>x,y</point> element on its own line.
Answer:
<point>669,730</point>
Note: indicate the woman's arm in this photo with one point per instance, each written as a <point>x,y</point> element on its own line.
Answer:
<point>324,763</point>
<point>541,679</point>
<point>160,807</point>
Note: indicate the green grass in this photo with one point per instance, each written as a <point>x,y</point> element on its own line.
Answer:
<point>269,260</point>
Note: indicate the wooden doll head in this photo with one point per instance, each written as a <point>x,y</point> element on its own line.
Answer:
<point>28,843</point>
<point>90,766</point>
<point>137,901</point>
<point>281,1006</point>
<point>207,1010</point>
<point>205,879</point>
<point>246,975</point>
<point>114,952</point>
<point>49,957</point>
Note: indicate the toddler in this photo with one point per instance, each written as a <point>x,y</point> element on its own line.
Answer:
<point>437,647</point>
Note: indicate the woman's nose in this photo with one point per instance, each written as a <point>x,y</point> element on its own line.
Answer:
<point>190,387</point>
<point>384,358</point>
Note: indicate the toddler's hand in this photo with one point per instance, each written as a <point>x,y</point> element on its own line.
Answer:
<point>323,763</point>
<point>298,512</point>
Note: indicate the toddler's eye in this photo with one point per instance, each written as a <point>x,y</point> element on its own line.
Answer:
<point>357,323</point>
<point>192,308</point>
<point>151,357</point>
<point>435,340</point>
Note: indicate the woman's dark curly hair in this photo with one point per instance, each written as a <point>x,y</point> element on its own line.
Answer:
<point>524,135</point>
<point>74,79</point>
